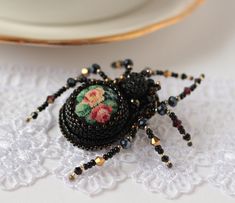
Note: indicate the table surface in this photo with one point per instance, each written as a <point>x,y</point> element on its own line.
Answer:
<point>204,42</point>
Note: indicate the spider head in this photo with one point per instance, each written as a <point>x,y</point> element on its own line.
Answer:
<point>136,86</point>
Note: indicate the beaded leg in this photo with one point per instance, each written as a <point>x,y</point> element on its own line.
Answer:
<point>178,124</point>
<point>95,69</point>
<point>155,141</point>
<point>163,110</point>
<point>125,143</point>
<point>162,107</point>
<point>127,64</point>
<point>71,82</point>
<point>173,100</point>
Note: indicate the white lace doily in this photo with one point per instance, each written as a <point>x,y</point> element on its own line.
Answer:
<point>208,114</point>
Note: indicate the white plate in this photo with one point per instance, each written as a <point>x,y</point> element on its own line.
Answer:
<point>86,21</point>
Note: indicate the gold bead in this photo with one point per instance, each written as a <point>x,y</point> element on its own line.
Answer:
<point>85,71</point>
<point>167,73</point>
<point>155,141</point>
<point>99,161</point>
<point>118,64</point>
<point>72,177</point>
<point>121,77</point>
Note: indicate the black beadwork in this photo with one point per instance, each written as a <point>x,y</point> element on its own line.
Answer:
<point>137,102</point>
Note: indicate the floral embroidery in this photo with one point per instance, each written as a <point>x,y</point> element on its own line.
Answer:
<point>96,104</point>
<point>94,97</point>
<point>101,113</point>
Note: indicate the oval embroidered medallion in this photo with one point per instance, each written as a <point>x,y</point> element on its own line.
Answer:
<point>96,104</point>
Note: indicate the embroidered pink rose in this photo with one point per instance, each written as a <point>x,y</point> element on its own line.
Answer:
<point>101,113</point>
<point>94,97</point>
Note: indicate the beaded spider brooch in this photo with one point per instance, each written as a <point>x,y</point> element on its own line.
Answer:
<point>108,113</point>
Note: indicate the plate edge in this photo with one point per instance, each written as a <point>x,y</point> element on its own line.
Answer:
<point>109,38</point>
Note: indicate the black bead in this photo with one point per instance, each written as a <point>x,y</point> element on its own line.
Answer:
<point>165,158</point>
<point>187,137</point>
<point>127,63</point>
<point>173,116</point>
<point>182,95</point>
<point>110,155</point>
<point>183,76</point>
<point>40,108</point>
<point>175,75</point>
<point>169,165</point>
<point>181,129</point>
<point>117,149</point>
<point>190,144</point>
<point>162,109</point>
<point>78,170</point>
<point>198,80</point>
<point>89,164</point>
<point>71,82</point>
<point>113,151</point>
<point>157,86</point>
<point>172,101</point>
<point>152,90</point>
<point>93,163</point>
<point>102,74</point>
<point>159,72</point>
<point>159,149</point>
<point>85,166</point>
<point>105,156</point>
<point>149,132</point>
<point>34,115</point>
<point>151,82</point>
<point>45,104</point>
<point>94,68</point>
<point>193,87</point>
<point>142,123</point>
<point>82,78</point>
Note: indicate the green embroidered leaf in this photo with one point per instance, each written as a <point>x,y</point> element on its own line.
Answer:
<point>89,120</point>
<point>82,110</point>
<point>111,103</point>
<point>81,95</point>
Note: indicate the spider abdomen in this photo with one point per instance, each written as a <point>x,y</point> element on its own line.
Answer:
<point>94,115</point>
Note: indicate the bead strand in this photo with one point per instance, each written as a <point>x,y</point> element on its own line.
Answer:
<point>95,69</point>
<point>187,90</point>
<point>125,143</point>
<point>155,141</point>
<point>98,161</point>
<point>71,82</point>
<point>168,74</point>
<point>127,64</point>
<point>178,124</point>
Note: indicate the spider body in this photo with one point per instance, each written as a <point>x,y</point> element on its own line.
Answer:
<point>98,113</point>
<point>108,113</point>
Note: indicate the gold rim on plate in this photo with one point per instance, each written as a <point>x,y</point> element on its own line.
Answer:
<point>110,38</point>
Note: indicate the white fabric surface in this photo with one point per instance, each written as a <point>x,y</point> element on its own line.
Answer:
<point>206,114</point>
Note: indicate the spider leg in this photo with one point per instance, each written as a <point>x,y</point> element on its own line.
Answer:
<point>173,100</point>
<point>95,69</point>
<point>71,82</point>
<point>127,64</point>
<point>178,124</point>
<point>155,141</point>
<point>162,109</point>
<point>125,143</point>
